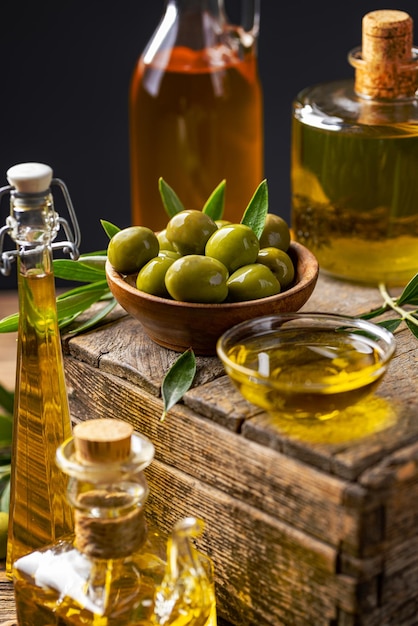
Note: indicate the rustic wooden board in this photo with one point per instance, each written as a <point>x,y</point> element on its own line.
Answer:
<point>314,527</point>
<point>245,470</point>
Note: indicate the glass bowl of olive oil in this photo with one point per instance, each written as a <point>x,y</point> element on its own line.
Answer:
<point>306,365</point>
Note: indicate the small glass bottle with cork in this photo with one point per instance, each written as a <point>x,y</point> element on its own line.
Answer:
<point>354,158</point>
<point>115,570</point>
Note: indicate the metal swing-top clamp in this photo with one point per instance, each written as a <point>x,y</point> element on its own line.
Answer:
<point>33,220</point>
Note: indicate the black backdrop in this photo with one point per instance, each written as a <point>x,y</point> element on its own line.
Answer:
<point>65,71</point>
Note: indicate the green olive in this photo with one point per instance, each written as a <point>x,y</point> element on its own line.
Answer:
<point>163,241</point>
<point>234,245</point>
<point>276,233</point>
<point>251,282</point>
<point>132,247</point>
<point>197,278</point>
<point>189,230</point>
<point>220,223</point>
<point>172,254</point>
<point>151,277</point>
<point>280,264</point>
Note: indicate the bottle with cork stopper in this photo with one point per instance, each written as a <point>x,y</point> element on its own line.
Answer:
<point>115,569</point>
<point>39,512</point>
<point>354,159</point>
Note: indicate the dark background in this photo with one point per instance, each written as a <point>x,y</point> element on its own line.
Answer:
<point>65,72</point>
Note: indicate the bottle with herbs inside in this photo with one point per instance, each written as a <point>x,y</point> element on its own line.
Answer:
<point>354,158</point>
<point>115,570</point>
<point>39,511</point>
<point>195,109</point>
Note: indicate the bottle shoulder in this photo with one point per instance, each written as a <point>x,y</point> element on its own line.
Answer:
<point>335,106</point>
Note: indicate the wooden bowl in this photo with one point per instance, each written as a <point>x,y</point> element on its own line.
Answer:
<point>182,325</point>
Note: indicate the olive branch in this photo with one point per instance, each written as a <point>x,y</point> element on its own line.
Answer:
<point>405,306</point>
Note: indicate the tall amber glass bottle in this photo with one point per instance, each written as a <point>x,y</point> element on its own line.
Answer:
<point>196,111</point>
<point>39,511</point>
<point>116,570</point>
<point>355,160</point>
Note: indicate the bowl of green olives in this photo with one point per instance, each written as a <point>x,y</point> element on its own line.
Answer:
<point>188,289</point>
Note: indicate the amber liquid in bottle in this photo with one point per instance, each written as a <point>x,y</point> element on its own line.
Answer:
<point>355,198</point>
<point>195,126</point>
<point>116,570</point>
<point>355,157</point>
<point>118,593</point>
<point>38,505</point>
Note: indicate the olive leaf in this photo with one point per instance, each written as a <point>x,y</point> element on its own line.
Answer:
<point>69,305</point>
<point>214,205</point>
<point>10,323</point>
<point>374,312</point>
<point>410,293</point>
<point>6,429</point>
<point>256,211</point>
<point>6,400</point>
<point>5,494</point>
<point>402,305</point>
<point>91,322</point>
<point>78,270</point>
<point>178,380</point>
<point>390,325</point>
<point>109,228</point>
<point>171,201</point>
<point>413,327</point>
<point>6,432</point>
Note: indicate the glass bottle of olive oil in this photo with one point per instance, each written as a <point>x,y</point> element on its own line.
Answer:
<point>196,110</point>
<point>115,570</point>
<point>39,511</point>
<point>354,158</point>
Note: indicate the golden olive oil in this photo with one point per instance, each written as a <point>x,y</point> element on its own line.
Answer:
<point>116,570</point>
<point>354,154</point>
<point>355,200</point>
<point>195,124</point>
<point>118,593</point>
<point>313,377</point>
<point>39,510</point>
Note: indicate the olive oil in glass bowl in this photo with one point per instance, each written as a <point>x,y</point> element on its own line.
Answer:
<point>308,366</point>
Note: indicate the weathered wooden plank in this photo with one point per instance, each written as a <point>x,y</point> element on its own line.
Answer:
<point>255,549</point>
<point>307,498</point>
<point>7,605</point>
<point>124,350</point>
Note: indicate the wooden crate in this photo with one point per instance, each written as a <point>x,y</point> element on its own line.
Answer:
<point>320,532</point>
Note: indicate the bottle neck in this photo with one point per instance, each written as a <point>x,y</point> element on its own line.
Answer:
<point>214,7</point>
<point>386,66</point>
<point>398,81</point>
<point>203,24</point>
<point>108,523</point>
<point>33,225</point>
<point>107,491</point>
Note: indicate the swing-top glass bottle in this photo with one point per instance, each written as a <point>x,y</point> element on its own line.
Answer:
<point>39,512</point>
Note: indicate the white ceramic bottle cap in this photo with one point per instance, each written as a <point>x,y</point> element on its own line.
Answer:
<point>30,177</point>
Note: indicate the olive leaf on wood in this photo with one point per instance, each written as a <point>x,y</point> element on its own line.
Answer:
<point>178,380</point>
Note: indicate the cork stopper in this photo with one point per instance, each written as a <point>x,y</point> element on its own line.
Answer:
<point>102,441</point>
<point>386,67</point>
